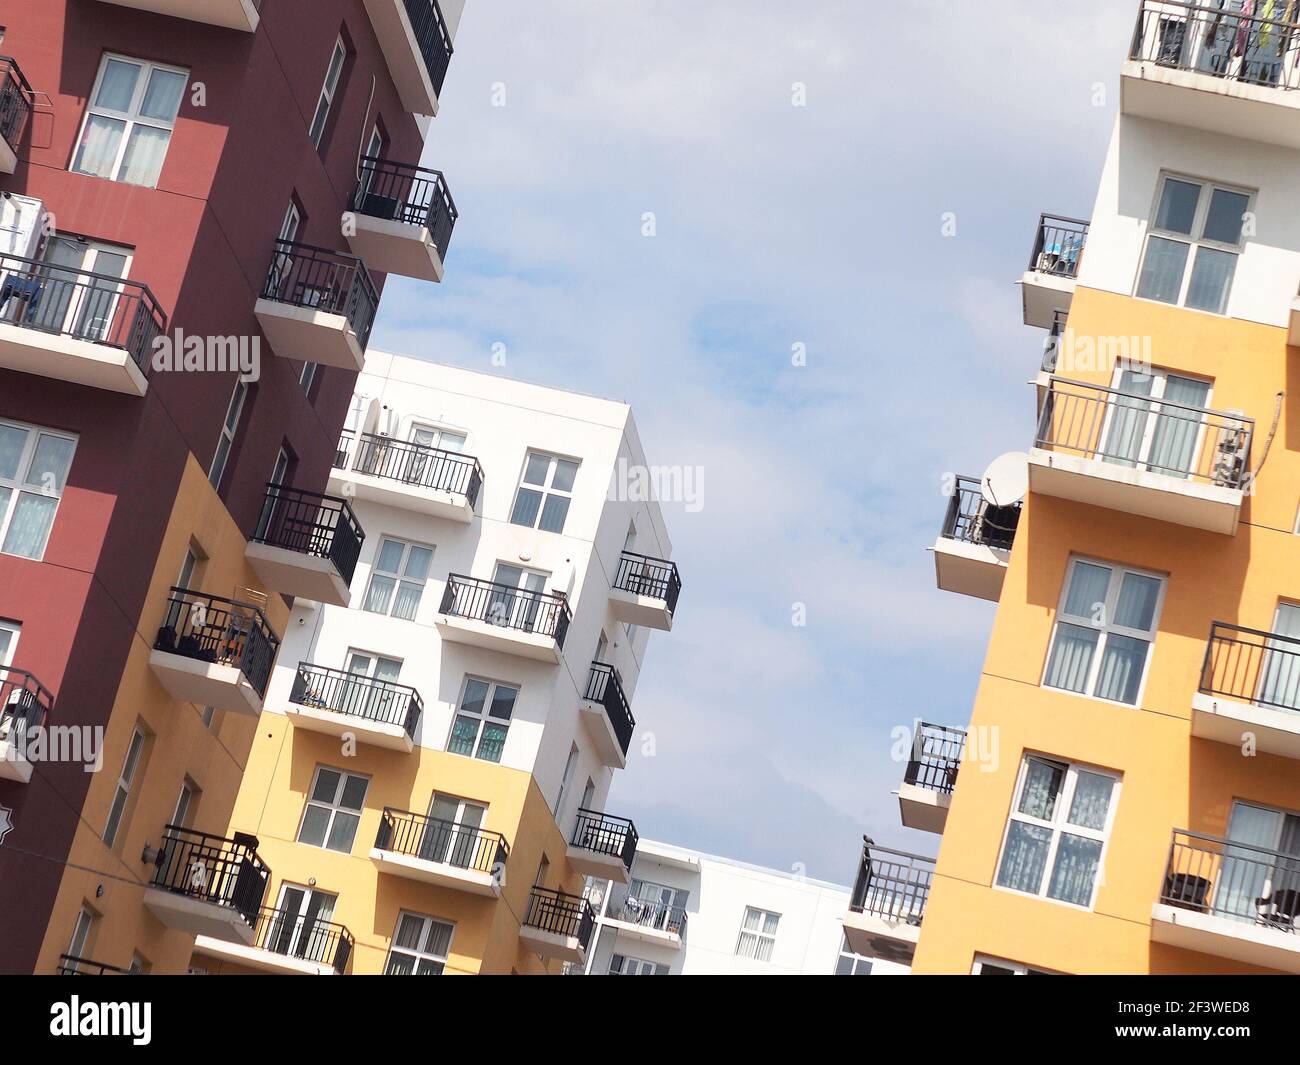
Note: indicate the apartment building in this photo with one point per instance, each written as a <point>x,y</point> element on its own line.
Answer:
<point>430,775</point>
<point>199,203</point>
<point>1126,798</point>
<point>681,912</point>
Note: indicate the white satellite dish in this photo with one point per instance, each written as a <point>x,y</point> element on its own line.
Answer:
<point>1006,480</point>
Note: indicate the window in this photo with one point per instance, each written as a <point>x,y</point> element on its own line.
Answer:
<point>363,697</point>
<point>545,489</point>
<point>307,377</point>
<point>482,719</point>
<point>999,967</point>
<point>757,934</point>
<point>332,74</point>
<point>9,631</point>
<point>129,120</point>
<point>1104,627</point>
<point>185,804</point>
<point>189,574</point>
<point>209,715</point>
<point>420,946</point>
<point>79,945</point>
<point>620,965</point>
<point>140,965</point>
<point>228,429</point>
<point>397,578</point>
<point>435,436</point>
<point>453,833</point>
<point>73,301</point>
<point>565,780</point>
<point>1194,241</point>
<point>850,963</point>
<point>333,809</point>
<point>125,779</point>
<point>34,466</point>
<point>280,473</point>
<point>1057,830</point>
<point>516,611</point>
<point>1152,430</point>
<point>300,928</point>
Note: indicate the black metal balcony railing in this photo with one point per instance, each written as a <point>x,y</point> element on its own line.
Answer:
<point>25,703</point>
<point>604,687</point>
<point>295,935</point>
<point>225,872</point>
<point>82,305</point>
<point>543,613</point>
<point>936,757</point>
<point>561,914</point>
<point>16,102</point>
<point>433,37</point>
<point>602,834</point>
<point>1058,245</point>
<point>1207,39</point>
<point>323,280</point>
<point>343,449</point>
<point>1239,881</point>
<point>311,524</point>
<point>434,840</point>
<point>1157,435</point>
<point>891,884</point>
<point>414,464</point>
<point>656,578</point>
<point>1251,666</point>
<point>71,965</point>
<point>356,695</point>
<point>223,631</point>
<point>973,520</point>
<point>413,195</point>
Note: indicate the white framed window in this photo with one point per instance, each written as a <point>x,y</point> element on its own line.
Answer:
<point>186,801</point>
<point>129,120</point>
<point>1193,242</point>
<point>1149,427</point>
<point>482,719</point>
<point>229,428</point>
<point>625,965</point>
<point>850,963</point>
<point>986,966</point>
<point>9,632</point>
<point>79,944</point>
<point>34,464</point>
<point>544,493</point>
<point>437,436</point>
<point>300,928</point>
<point>453,836</point>
<point>397,578</point>
<point>307,377</point>
<point>281,469</point>
<point>757,934</point>
<point>333,809</point>
<point>420,946</point>
<point>190,569</point>
<point>1101,642</point>
<point>332,74</point>
<point>1056,834</point>
<point>75,303</point>
<point>125,780</point>
<point>365,698</point>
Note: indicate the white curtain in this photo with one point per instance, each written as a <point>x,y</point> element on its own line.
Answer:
<point>97,152</point>
<point>1280,676</point>
<point>144,156</point>
<point>1072,652</point>
<point>1173,443</point>
<point>1243,872</point>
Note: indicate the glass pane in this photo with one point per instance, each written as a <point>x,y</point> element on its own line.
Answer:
<point>409,931</point>
<point>475,696</point>
<point>452,441</point>
<point>1211,280</point>
<point>327,786</point>
<point>49,468</point>
<point>354,793</point>
<point>554,513</point>
<point>162,99</point>
<point>1075,869</point>
<point>400,965</point>
<point>390,556</point>
<point>1091,800</point>
<point>1071,659</point>
<point>1043,783</point>
<point>503,702</point>
<point>527,503</point>
<point>1225,217</point>
<point>143,159</point>
<point>117,86</point>
<point>342,832</point>
<point>407,601</point>
<point>378,594</point>
<point>494,739</point>
<point>1136,608</point>
<point>417,563</point>
<point>1162,270</point>
<point>439,939</point>
<point>318,121</point>
<point>1177,208</point>
<point>1025,857</point>
<point>463,734</point>
<point>1121,668</point>
<point>1128,419</point>
<point>30,526</point>
<point>1173,444</point>
<point>565,471</point>
<point>535,469</point>
<point>97,152</point>
<point>12,442</point>
<point>1087,591</point>
<point>314,823</point>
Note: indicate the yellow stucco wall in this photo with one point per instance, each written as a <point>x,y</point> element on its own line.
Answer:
<point>111,881</point>
<point>1170,780</point>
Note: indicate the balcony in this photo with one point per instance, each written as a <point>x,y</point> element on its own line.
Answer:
<point>287,943</point>
<point>401,219</point>
<point>317,305</point>
<point>76,326</point>
<point>306,545</point>
<point>1170,461</point>
<point>16,103</point>
<point>71,965</point>
<point>557,925</point>
<point>214,652</point>
<point>1048,284</point>
<point>647,922</point>
<point>25,704</point>
<point>398,473</point>
<point>607,715</point>
<point>1250,683</point>
<point>207,885</point>
<point>974,545</point>
<point>434,851</point>
<point>501,617</point>
<point>416,42</point>
<point>229,14</point>
<point>338,703</point>
<point>1212,68</point>
<point>603,846</point>
<point>931,775</point>
<point>1229,899</point>
<point>888,902</point>
<point>645,591</point>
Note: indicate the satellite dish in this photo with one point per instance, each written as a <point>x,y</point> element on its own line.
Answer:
<point>1006,480</point>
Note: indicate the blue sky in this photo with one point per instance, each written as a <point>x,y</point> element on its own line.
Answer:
<point>775,225</point>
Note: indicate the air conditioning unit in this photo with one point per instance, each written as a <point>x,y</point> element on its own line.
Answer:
<point>23,220</point>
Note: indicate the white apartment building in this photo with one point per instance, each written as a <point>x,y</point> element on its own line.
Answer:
<point>692,914</point>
